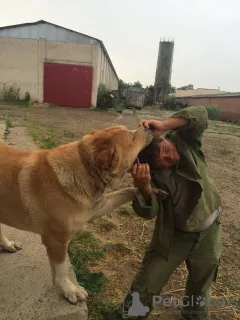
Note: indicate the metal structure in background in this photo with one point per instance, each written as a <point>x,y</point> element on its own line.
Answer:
<point>134,97</point>
<point>164,69</point>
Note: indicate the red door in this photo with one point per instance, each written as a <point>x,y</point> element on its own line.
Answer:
<point>67,85</point>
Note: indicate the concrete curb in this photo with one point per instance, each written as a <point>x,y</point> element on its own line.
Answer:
<point>26,290</point>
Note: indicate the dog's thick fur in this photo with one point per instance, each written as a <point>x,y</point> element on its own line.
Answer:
<point>53,192</point>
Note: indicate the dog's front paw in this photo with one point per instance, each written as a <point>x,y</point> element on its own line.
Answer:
<point>12,246</point>
<point>74,293</point>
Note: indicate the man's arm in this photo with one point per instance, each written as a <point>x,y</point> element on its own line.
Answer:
<point>197,122</point>
<point>189,122</point>
<point>145,203</point>
<point>160,127</point>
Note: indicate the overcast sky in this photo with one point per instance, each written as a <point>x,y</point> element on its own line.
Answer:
<point>206,34</point>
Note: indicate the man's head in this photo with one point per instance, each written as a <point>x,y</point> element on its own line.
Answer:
<point>160,154</point>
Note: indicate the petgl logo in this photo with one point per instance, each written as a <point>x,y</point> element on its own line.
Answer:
<point>136,309</point>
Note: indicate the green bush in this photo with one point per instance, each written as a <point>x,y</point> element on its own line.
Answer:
<point>119,104</point>
<point>173,103</point>
<point>11,94</point>
<point>213,112</point>
<point>27,97</point>
<point>103,98</point>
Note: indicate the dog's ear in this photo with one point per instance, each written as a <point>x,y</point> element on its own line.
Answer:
<point>103,157</point>
<point>106,157</point>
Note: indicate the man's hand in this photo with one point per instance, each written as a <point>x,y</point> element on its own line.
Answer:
<point>142,178</point>
<point>157,127</point>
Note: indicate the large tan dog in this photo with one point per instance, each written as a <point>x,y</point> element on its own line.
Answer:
<point>53,192</point>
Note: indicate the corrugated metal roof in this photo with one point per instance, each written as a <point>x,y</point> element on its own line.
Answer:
<point>221,95</point>
<point>198,92</point>
<point>46,22</point>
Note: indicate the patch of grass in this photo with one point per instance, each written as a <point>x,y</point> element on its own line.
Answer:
<point>18,103</point>
<point>84,251</point>
<point>117,247</point>
<point>9,123</point>
<point>69,135</point>
<point>48,137</point>
<point>7,129</point>
<point>111,111</point>
<point>224,127</point>
<point>126,210</point>
<point>100,310</point>
<point>226,151</point>
<point>106,225</point>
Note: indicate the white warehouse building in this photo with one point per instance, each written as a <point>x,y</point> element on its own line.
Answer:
<point>54,64</point>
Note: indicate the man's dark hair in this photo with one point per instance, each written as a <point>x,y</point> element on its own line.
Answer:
<point>151,152</point>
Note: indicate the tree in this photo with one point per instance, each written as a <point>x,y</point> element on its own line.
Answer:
<point>122,85</point>
<point>167,88</point>
<point>150,88</point>
<point>188,87</point>
<point>137,84</point>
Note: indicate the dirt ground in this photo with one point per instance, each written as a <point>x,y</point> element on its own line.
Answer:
<point>222,153</point>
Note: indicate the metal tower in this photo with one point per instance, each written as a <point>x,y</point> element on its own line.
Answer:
<point>164,69</point>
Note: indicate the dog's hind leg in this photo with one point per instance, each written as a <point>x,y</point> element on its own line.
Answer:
<point>8,245</point>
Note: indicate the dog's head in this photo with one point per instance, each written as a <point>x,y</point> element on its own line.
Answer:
<point>113,150</point>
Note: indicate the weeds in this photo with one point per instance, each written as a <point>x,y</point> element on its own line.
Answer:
<point>100,310</point>
<point>117,247</point>
<point>173,103</point>
<point>226,151</point>
<point>119,104</point>
<point>7,129</point>
<point>106,225</point>
<point>224,127</point>
<point>126,210</point>
<point>69,135</point>
<point>85,250</point>
<point>47,137</point>
<point>104,100</point>
<point>213,112</point>
<point>27,97</point>
<point>11,95</point>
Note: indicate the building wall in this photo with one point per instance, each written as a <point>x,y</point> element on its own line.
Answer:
<point>106,74</point>
<point>19,64</point>
<point>229,106</point>
<point>198,92</point>
<point>22,63</point>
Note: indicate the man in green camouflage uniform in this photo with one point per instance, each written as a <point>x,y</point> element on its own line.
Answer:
<point>187,212</point>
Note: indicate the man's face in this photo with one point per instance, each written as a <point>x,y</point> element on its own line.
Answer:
<point>167,156</point>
